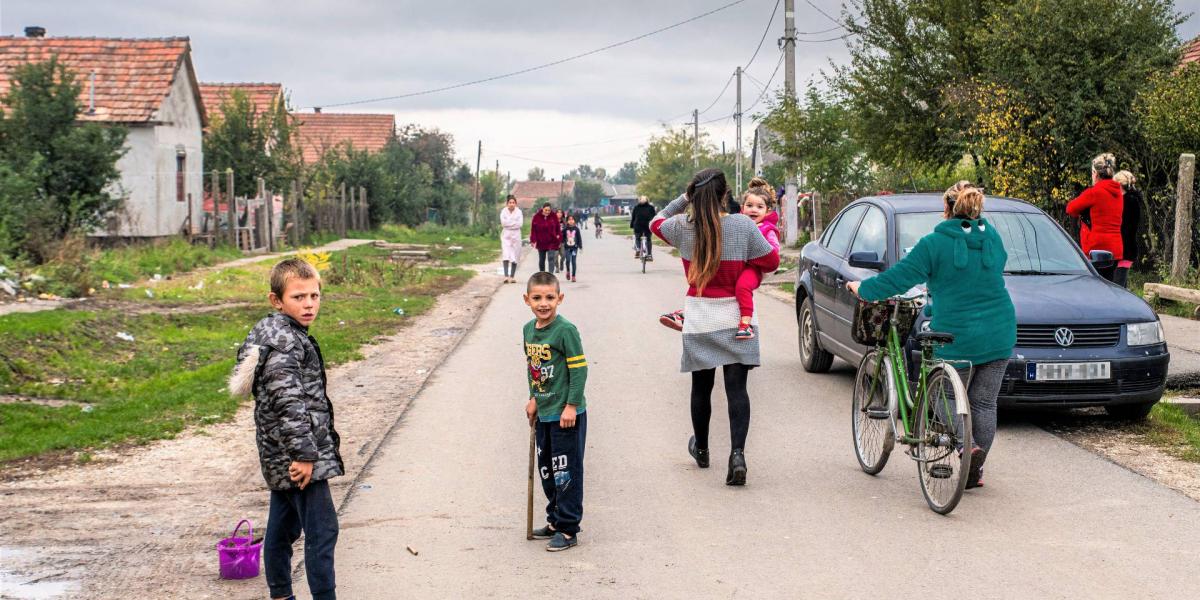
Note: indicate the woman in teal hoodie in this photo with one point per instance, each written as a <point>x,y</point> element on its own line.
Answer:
<point>962,262</point>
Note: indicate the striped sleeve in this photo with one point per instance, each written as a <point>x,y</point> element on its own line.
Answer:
<point>664,226</point>
<point>576,366</point>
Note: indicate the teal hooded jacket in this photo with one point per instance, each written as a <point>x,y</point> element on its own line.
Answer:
<point>962,262</point>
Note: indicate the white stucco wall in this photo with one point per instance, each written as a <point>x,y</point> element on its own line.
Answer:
<point>148,167</point>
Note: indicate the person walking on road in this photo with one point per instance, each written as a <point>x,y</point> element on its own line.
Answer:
<point>562,225</point>
<point>1099,209</point>
<point>715,247</point>
<point>572,245</point>
<point>598,223</point>
<point>544,235</point>
<point>639,220</point>
<point>963,263</point>
<point>1131,219</point>
<point>511,221</point>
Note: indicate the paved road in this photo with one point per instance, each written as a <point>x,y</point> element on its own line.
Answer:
<point>1054,521</point>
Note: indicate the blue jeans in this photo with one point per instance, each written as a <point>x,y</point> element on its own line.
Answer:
<point>560,465</point>
<point>310,511</point>
<point>572,257</point>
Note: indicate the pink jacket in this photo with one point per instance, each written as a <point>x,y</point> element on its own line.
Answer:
<point>770,229</point>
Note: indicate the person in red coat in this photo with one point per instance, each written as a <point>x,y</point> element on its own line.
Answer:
<point>545,235</point>
<point>1099,209</point>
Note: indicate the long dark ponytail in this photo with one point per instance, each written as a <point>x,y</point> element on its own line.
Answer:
<point>708,194</point>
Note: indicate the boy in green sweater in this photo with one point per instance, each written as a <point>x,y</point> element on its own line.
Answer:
<point>557,373</point>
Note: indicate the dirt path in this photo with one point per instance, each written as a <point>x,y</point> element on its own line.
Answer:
<point>7,306</point>
<point>144,522</point>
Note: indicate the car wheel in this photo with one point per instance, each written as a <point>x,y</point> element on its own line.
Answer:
<point>1130,412</point>
<point>812,357</point>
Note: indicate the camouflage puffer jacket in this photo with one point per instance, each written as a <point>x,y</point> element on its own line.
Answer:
<point>293,415</point>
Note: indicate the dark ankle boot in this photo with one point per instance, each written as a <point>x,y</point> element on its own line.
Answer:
<point>701,456</point>
<point>737,468</point>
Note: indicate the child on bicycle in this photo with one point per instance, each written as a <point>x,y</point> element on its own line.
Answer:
<point>760,204</point>
<point>598,223</point>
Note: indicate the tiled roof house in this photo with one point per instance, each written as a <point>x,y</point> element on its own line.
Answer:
<point>148,86</point>
<point>1191,52</point>
<point>320,132</point>
<point>531,193</point>
<point>263,96</point>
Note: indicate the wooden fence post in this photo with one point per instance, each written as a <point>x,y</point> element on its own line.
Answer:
<point>816,208</point>
<point>352,209</point>
<point>340,221</point>
<point>232,207</point>
<point>1181,260</point>
<point>366,214</point>
<point>216,208</point>
<point>297,214</point>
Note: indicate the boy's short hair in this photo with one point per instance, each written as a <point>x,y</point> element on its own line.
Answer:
<point>288,269</point>
<point>542,278</point>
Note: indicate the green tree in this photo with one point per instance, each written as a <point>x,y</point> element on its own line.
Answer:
<point>667,165</point>
<point>55,173</point>
<point>587,194</point>
<point>816,138</point>
<point>536,174</point>
<point>627,175</point>
<point>253,141</point>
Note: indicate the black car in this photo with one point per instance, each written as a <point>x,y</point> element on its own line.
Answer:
<point>1081,340</point>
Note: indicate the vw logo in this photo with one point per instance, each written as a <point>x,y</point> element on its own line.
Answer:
<point>1065,337</point>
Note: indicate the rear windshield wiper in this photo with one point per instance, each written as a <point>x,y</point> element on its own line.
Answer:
<point>1031,272</point>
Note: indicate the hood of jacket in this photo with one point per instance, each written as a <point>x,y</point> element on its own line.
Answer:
<point>1108,187</point>
<point>972,234</point>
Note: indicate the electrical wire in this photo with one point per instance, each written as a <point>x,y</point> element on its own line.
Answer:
<point>764,36</point>
<point>766,87</point>
<point>721,95</point>
<point>538,67</point>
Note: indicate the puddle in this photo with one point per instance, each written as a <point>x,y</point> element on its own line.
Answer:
<point>14,586</point>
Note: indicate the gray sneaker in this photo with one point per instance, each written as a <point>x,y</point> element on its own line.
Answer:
<point>544,533</point>
<point>561,542</point>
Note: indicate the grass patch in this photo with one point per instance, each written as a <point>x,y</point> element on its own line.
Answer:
<point>136,262</point>
<point>172,375</point>
<point>453,246</point>
<point>1174,430</point>
<point>1137,281</point>
<point>789,287</point>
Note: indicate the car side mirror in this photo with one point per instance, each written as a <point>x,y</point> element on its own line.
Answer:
<point>866,260</point>
<point>1101,259</point>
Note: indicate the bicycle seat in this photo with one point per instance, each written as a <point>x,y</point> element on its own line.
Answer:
<point>934,337</point>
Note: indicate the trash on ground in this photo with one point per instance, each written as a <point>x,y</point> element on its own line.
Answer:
<point>8,286</point>
<point>124,286</point>
<point>199,285</point>
<point>105,284</point>
<point>87,408</point>
<point>422,371</point>
<point>124,336</point>
<point>44,296</point>
<point>364,486</point>
<point>399,311</point>
<point>158,276</point>
<point>411,551</point>
<point>149,293</point>
<point>455,248</point>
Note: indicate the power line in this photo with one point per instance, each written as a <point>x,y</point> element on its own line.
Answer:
<point>768,86</point>
<point>764,35</point>
<point>839,23</point>
<point>541,66</point>
<point>719,96</point>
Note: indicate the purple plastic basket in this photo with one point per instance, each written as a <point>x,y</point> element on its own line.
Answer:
<point>239,556</point>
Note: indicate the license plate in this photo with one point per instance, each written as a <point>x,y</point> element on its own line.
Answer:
<point>1067,371</point>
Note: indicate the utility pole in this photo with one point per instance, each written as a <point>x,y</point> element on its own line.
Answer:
<point>737,152</point>
<point>478,161</point>
<point>789,82</point>
<point>696,138</point>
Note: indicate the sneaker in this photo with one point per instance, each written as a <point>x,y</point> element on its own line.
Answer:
<point>544,533</point>
<point>744,332</point>
<point>673,320</point>
<point>737,468</point>
<point>561,542</point>
<point>650,258</point>
<point>975,473</point>
<point>701,456</point>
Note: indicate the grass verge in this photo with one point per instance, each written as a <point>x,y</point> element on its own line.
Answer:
<point>1173,429</point>
<point>172,373</point>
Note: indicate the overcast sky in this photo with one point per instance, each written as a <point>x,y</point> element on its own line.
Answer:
<point>327,52</point>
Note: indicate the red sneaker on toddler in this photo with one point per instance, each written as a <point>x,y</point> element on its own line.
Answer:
<point>673,320</point>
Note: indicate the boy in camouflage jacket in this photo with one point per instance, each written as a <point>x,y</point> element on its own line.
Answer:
<point>293,416</point>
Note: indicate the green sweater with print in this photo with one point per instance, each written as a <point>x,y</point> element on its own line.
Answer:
<point>963,263</point>
<point>557,367</point>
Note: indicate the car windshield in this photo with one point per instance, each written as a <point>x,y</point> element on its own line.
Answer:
<point>1034,243</point>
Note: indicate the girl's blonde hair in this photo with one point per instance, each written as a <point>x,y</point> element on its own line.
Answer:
<point>1104,165</point>
<point>1125,178</point>
<point>969,203</point>
<point>951,194</point>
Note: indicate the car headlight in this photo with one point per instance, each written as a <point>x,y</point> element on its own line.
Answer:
<point>1145,334</point>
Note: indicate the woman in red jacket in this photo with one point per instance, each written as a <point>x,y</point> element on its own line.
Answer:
<point>1099,209</point>
<point>545,235</point>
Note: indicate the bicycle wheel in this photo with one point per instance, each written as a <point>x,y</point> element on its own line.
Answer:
<point>943,431</point>
<point>871,415</point>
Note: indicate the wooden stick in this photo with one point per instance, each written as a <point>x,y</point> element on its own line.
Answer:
<point>529,494</point>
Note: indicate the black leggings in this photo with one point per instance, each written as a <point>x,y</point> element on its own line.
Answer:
<point>739,403</point>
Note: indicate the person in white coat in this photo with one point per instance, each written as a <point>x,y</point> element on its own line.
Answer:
<point>511,221</point>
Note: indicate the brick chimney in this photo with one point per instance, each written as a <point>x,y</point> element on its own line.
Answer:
<point>33,31</point>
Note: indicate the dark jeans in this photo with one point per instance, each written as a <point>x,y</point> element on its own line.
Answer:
<point>553,256</point>
<point>310,511</point>
<point>572,258</point>
<point>735,393</point>
<point>638,236</point>
<point>560,464</point>
<point>983,387</point>
<point>510,268</point>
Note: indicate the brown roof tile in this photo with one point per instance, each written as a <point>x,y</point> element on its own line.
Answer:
<point>529,192</point>
<point>262,95</point>
<point>133,76</point>
<point>320,132</point>
<point>1191,52</point>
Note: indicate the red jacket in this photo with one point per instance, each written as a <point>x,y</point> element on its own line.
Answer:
<point>545,233</point>
<point>1104,202</point>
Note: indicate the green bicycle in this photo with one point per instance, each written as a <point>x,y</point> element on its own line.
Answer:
<point>935,421</point>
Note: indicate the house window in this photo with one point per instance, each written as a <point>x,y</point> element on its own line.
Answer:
<point>180,176</point>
